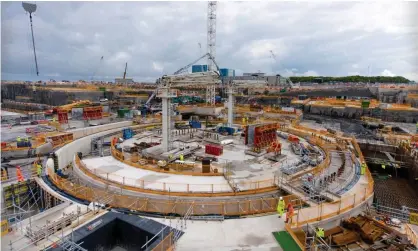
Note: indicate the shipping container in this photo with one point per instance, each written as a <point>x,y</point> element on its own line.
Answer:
<point>195,124</point>
<point>223,72</point>
<point>214,150</point>
<point>127,133</point>
<point>293,139</point>
<point>199,68</point>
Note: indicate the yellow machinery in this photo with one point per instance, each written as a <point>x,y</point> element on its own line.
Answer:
<point>68,107</point>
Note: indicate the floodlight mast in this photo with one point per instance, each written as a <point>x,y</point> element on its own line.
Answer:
<point>31,8</point>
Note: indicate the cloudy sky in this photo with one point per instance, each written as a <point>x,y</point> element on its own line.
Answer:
<point>155,38</point>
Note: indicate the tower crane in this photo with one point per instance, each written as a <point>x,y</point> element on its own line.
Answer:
<point>209,57</point>
<point>164,91</point>
<point>210,92</point>
<point>288,81</point>
<point>31,8</point>
<point>95,71</point>
<point>211,35</point>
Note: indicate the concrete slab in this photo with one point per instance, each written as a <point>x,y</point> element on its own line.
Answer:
<point>154,180</point>
<point>232,234</point>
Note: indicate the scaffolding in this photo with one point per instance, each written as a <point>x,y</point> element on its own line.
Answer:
<point>24,199</point>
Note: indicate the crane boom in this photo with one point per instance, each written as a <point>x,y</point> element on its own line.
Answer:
<point>183,69</point>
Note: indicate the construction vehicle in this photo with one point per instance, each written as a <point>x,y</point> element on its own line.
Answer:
<point>69,107</point>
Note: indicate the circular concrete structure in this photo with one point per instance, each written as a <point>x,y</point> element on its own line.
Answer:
<point>243,184</point>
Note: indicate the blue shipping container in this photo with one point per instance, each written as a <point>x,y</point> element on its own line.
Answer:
<point>228,130</point>
<point>127,133</point>
<point>195,124</point>
<point>223,72</point>
<point>199,68</point>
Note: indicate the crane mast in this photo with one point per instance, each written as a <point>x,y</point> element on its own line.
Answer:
<point>211,36</point>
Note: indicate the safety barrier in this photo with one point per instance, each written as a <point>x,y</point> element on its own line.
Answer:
<point>327,210</point>
<point>412,235</point>
<point>165,244</point>
<point>229,207</point>
<point>295,238</point>
<point>179,189</point>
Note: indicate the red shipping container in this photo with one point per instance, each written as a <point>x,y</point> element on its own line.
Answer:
<point>213,149</point>
<point>293,139</point>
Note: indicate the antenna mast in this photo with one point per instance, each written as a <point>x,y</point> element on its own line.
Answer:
<point>211,39</point>
<point>31,8</point>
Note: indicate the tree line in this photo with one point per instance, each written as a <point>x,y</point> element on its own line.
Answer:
<point>347,79</point>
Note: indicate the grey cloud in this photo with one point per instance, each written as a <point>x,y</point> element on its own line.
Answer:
<point>322,37</point>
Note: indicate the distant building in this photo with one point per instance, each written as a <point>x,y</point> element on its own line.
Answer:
<point>272,81</point>
<point>227,72</point>
<point>199,68</point>
<point>257,74</point>
<point>124,81</point>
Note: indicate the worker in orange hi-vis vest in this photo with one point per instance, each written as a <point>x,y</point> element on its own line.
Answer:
<point>19,174</point>
<point>290,212</point>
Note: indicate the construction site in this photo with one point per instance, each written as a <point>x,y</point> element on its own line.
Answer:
<point>207,161</point>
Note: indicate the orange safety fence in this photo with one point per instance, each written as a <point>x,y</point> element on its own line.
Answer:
<point>229,207</point>
<point>328,210</point>
<point>412,234</point>
<point>166,244</point>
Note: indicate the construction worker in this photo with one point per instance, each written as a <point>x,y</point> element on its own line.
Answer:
<point>383,166</point>
<point>320,232</point>
<point>181,157</point>
<point>18,139</point>
<point>289,213</point>
<point>243,120</point>
<point>280,207</point>
<point>39,169</point>
<point>363,169</point>
<point>19,174</point>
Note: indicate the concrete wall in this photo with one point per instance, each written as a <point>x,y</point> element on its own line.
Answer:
<point>408,116</point>
<point>83,143</point>
<point>82,132</point>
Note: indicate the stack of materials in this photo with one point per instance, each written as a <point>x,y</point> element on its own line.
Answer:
<point>206,165</point>
<point>368,230</point>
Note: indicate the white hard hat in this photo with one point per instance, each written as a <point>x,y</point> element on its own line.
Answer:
<point>281,198</point>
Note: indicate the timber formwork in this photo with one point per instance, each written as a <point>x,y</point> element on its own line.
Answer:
<point>94,112</point>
